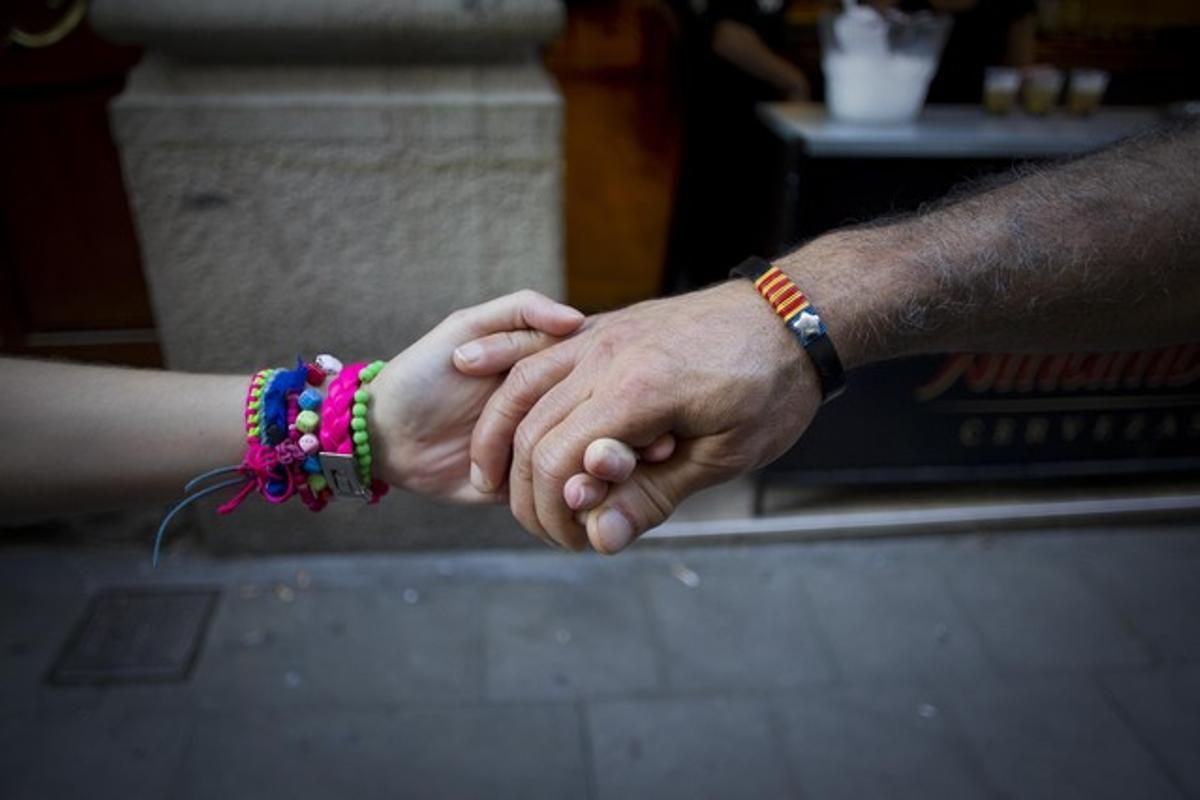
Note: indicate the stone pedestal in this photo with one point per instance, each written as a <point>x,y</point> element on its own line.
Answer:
<point>336,175</point>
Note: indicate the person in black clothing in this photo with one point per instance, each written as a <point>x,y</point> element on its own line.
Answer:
<point>985,33</point>
<point>730,62</point>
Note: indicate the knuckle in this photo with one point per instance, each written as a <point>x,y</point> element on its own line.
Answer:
<point>525,439</point>
<point>507,416</point>
<point>510,341</point>
<point>547,465</point>
<point>521,377</point>
<point>519,340</point>
<point>636,384</point>
<point>604,345</point>
<point>658,506</point>
<point>520,472</point>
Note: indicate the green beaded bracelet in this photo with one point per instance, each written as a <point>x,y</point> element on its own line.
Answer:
<point>358,421</point>
<point>258,384</point>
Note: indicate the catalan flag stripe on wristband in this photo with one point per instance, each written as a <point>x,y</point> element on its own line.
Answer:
<point>801,318</point>
<point>783,295</point>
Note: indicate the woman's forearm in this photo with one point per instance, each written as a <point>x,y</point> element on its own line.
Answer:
<point>86,437</point>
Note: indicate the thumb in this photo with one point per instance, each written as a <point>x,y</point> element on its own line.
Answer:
<point>497,353</point>
<point>525,309</point>
<point>645,501</point>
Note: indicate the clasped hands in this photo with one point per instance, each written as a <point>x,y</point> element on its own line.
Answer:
<point>593,430</point>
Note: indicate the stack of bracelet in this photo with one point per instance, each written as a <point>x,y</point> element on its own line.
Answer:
<point>298,440</point>
<point>295,434</point>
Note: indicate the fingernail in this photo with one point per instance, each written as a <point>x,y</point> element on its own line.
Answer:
<point>588,496</point>
<point>613,531</point>
<point>574,496</point>
<point>478,480</point>
<point>582,496</point>
<point>570,311</point>
<point>469,353</point>
<point>612,463</point>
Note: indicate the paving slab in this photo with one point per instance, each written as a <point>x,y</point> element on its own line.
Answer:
<point>556,641</point>
<point>1163,707</point>
<point>893,619</point>
<point>33,629</point>
<point>1056,739</point>
<point>108,753</point>
<point>510,752</point>
<point>883,741</point>
<point>733,623</point>
<point>352,649</point>
<point>1154,591</point>
<point>1036,614</point>
<point>686,748</point>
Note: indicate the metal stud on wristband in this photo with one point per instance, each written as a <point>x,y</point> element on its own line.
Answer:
<point>801,318</point>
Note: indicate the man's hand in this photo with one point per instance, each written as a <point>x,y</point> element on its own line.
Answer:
<point>423,409</point>
<point>715,368</point>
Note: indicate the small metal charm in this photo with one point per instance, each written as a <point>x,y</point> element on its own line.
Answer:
<point>808,325</point>
<point>341,473</point>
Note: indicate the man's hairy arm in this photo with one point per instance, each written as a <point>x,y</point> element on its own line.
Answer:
<point>1101,252</point>
<point>1097,253</point>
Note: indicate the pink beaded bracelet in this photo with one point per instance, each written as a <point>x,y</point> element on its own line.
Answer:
<point>340,453</point>
<point>335,421</point>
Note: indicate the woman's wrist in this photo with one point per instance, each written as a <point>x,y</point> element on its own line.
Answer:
<point>385,421</point>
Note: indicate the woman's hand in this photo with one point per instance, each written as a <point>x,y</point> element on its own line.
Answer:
<point>423,408</point>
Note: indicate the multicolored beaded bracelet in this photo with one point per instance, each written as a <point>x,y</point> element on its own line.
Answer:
<point>303,410</point>
<point>292,453</point>
<point>276,463</point>
<point>323,367</point>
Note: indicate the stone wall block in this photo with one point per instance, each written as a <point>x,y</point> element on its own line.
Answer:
<point>301,202</point>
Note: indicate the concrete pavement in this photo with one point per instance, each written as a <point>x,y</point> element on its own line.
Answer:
<point>1053,664</point>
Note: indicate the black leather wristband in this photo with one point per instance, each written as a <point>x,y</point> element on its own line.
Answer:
<point>801,318</point>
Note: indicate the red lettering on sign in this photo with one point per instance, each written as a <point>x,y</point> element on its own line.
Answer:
<point>1002,373</point>
<point>948,373</point>
<point>1186,369</point>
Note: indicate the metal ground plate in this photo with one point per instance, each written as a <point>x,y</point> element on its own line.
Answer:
<point>136,636</point>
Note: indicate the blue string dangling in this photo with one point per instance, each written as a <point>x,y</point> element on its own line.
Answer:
<point>191,498</point>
